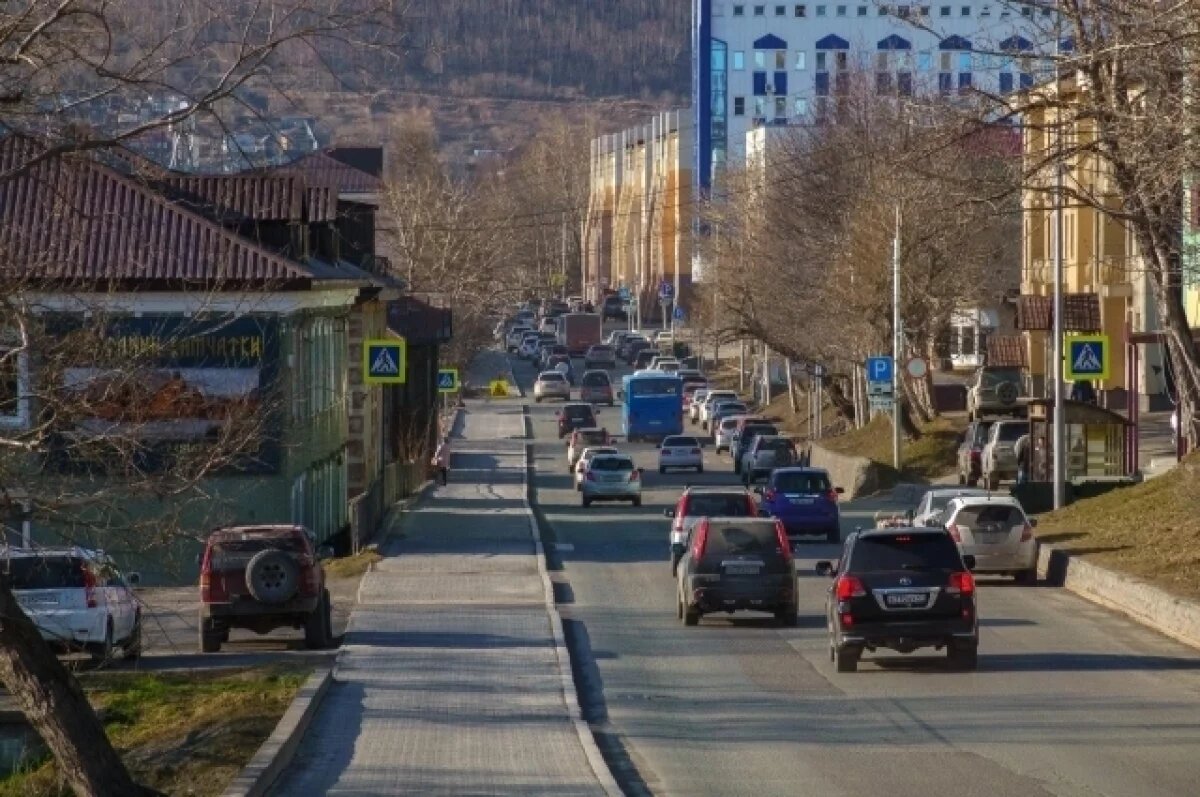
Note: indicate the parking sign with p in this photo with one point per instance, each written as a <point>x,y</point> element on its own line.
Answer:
<point>879,369</point>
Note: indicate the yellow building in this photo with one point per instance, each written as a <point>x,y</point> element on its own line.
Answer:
<point>637,232</point>
<point>1106,289</point>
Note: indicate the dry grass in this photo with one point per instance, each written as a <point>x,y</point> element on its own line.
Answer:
<point>1149,530</point>
<point>352,566</point>
<point>184,734</point>
<point>925,459</point>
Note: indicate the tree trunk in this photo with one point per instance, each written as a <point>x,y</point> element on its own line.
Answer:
<point>837,395</point>
<point>55,705</point>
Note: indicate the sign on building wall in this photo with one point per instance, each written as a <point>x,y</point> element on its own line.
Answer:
<point>447,380</point>
<point>385,361</point>
<point>1087,357</point>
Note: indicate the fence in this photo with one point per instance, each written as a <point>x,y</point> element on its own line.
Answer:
<point>369,508</point>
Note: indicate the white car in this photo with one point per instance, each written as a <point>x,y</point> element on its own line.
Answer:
<point>933,503</point>
<point>529,346</point>
<point>723,434</point>
<point>713,398</point>
<point>515,336</point>
<point>995,530</point>
<point>611,477</point>
<point>548,326</point>
<point>77,598</point>
<point>694,406</point>
<point>656,363</point>
<point>585,460</point>
<point>551,384</point>
<point>680,451</point>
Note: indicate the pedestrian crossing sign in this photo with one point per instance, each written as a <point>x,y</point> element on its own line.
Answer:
<point>385,362</point>
<point>447,380</point>
<point>1087,358</point>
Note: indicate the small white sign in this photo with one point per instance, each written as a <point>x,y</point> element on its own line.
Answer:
<point>917,368</point>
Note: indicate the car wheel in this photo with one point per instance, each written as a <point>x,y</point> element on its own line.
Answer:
<point>834,536</point>
<point>690,616</point>
<point>637,502</point>
<point>210,636</point>
<point>788,617</point>
<point>678,606</point>
<point>963,658</point>
<point>662,470</point>
<point>586,502</point>
<point>131,648</point>
<point>847,660</point>
<point>102,652</point>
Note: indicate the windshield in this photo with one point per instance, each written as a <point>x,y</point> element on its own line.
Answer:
<point>998,376</point>
<point>654,387</point>
<point>905,552</point>
<point>612,463</point>
<point>720,395</point>
<point>1011,432</point>
<point>801,482</point>
<point>718,505</point>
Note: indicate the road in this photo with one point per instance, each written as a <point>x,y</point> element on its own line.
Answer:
<point>1069,699</point>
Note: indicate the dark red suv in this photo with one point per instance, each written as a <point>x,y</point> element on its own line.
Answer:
<point>262,578</point>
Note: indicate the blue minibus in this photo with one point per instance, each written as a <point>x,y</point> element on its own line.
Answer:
<point>653,405</point>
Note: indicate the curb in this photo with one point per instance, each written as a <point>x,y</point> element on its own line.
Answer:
<point>570,697</point>
<point>277,752</point>
<point>1178,618</point>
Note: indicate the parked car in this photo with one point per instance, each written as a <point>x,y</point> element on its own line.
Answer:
<point>581,439</point>
<point>736,565</point>
<point>614,307</point>
<point>999,453</point>
<point>679,451</point>
<point>612,477</point>
<point>933,503</point>
<point>600,356</point>
<point>766,453</point>
<point>262,578</point>
<point>585,460</point>
<point>596,387</point>
<point>695,404</point>
<point>723,435</point>
<point>551,384</point>
<point>697,503</point>
<point>805,501</point>
<point>995,530</point>
<point>901,589</point>
<point>970,452</point>
<point>997,390</point>
<point>710,400</point>
<point>743,438</point>
<point>575,416</point>
<point>77,598</point>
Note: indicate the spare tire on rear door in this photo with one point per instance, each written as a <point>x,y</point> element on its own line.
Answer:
<point>272,576</point>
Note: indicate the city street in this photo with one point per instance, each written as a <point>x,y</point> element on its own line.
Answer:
<point>1069,699</point>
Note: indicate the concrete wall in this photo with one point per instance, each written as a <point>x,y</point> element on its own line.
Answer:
<point>858,476</point>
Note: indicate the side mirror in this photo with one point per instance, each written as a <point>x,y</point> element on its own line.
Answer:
<point>324,552</point>
<point>825,568</point>
<point>669,513</point>
<point>840,490</point>
<point>134,579</point>
<point>1033,523</point>
<point>969,561</point>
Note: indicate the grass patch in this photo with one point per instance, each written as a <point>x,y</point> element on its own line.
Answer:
<point>352,566</point>
<point>925,459</point>
<point>1149,530</point>
<point>184,734</point>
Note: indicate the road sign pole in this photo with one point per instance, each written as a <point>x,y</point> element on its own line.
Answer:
<point>1060,428</point>
<point>897,342</point>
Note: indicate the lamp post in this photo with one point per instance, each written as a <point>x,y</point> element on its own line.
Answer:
<point>1060,427</point>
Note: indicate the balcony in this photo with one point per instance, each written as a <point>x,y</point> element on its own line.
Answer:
<point>1038,273</point>
<point>1114,276</point>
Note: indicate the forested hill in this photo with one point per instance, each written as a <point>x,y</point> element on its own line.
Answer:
<point>556,49</point>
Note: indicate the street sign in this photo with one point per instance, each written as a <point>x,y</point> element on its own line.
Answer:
<point>917,368</point>
<point>1088,357</point>
<point>818,371</point>
<point>879,369</point>
<point>558,280</point>
<point>385,362</point>
<point>666,290</point>
<point>879,389</point>
<point>881,403</point>
<point>678,313</point>
<point>447,380</point>
<point>498,388</point>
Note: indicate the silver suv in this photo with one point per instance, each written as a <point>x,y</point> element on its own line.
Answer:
<point>999,453</point>
<point>997,390</point>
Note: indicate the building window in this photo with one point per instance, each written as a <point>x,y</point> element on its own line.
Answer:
<point>1006,82</point>
<point>781,109</point>
<point>801,11</point>
<point>881,60</point>
<point>964,62</point>
<point>902,11</point>
<point>945,82</point>
<point>739,60</point>
<point>1026,11</point>
<point>760,11</point>
<point>925,11</point>
<point>800,107</point>
<point>944,11</point>
<point>739,10</point>
<point>883,11</point>
<point>739,106</point>
<point>945,62</point>
<point>924,61</point>
<point>841,11</point>
<point>986,11</point>
<point>760,59</point>
<point>1047,11</point>
<point>842,83</point>
<point>14,387</point>
<point>822,82</point>
<point>883,82</point>
<point>1026,80</point>
<point>781,11</point>
<point>842,59</point>
<point>781,59</point>
<point>822,66</point>
<point>820,11</point>
<point>799,59</point>
<point>904,84</point>
<point>964,82</point>
<point>862,11</point>
<point>966,11</point>
<point>760,107</point>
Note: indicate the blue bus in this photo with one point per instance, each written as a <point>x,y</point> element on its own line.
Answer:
<point>653,405</point>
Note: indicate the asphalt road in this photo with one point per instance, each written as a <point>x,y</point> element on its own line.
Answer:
<point>1069,699</point>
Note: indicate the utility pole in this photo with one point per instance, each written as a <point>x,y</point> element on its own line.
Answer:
<point>766,380</point>
<point>897,344</point>
<point>563,261</point>
<point>1060,428</point>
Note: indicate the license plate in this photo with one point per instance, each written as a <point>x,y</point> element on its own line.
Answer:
<point>656,423</point>
<point>907,599</point>
<point>741,570</point>
<point>39,601</point>
<point>800,500</point>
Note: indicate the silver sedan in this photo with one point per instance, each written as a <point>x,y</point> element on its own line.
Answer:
<point>612,477</point>
<point>551,384</point>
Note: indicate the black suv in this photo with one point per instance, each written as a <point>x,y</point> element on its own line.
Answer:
<point>614,307</point>
<point>733,564</point>
<point>575,416</point>
<point>901,589</point>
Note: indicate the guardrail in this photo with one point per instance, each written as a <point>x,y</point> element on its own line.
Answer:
<point>368,509</point>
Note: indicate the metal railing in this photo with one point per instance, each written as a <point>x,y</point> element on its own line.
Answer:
<point>369,509</point>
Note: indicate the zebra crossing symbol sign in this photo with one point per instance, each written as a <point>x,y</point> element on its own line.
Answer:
<point>385,362</point>
<point>1087,358</point>
<point>447,380</point>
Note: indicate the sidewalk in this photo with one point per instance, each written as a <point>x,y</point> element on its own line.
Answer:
<point>449,681</point>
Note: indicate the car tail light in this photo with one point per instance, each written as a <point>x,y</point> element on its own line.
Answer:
<point>961,584</point>
<point>769,494</point>
<point>976,455</point>
<point>635,475</point>
<point>1027,533</point>
<point>701,541</point>
<point>785,547</point>
<point>955,534</point>
<point>849,587</point>
<point>831,495</point>
<point>89,587</point>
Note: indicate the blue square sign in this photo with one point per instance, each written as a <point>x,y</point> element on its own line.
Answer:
<point>385,362</point>
<point>879,369</point>
<point>1087,357</point>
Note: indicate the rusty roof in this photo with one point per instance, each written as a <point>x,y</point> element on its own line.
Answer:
<point>1081,312</point>
<point>325,169</point>
<point>262,195</point>
<point>71,217</point>
<point>1006,350</point>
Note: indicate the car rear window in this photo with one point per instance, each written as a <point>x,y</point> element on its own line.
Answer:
<point>801,482</point>
<point>593,437</point>
<point>727,406</point>
<point>996,376</point>
<point>552,376</point>
<point>681,442</point>
<point>776,445</point>
<point>718,505</point>
<point>972,516</point>
<point>612,463</point>
<point>728,423</point>
<point>905,552</point>
<point>1011,432</point>
<point>601,350</point>
<point>716,396</point>
<point>596,380</point>
<point>755,430</point>
<point>42,572</point>
<point>760,538</point>
<point>981,432</point>
<point>577,412</point>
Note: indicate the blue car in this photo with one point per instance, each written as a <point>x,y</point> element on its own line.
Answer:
<point>805,501</point>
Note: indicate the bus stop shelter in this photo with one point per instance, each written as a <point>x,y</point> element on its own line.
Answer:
<point>1096,441</point>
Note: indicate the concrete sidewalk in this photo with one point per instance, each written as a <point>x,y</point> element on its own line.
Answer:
<point>450,680</point>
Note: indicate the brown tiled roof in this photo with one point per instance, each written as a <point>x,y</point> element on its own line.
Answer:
<point>1006,350</point>
<point>325,169</point>
<point>261,195</point>
<point>1081,312</point>
<point>71,217</point>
